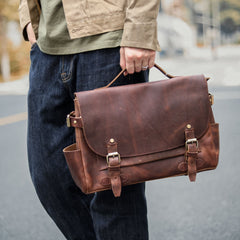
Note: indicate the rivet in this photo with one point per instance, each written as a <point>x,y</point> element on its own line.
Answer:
<point>189,126</point>
<point>75,121</point>
<point>112,140</point>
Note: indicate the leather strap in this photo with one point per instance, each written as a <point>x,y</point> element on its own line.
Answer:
<point>73,121</point>
<point>191,152</point>
<point>113,160</point>
<point>155,65</point>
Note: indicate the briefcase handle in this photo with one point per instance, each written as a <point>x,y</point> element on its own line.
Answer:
<point>155,65</point>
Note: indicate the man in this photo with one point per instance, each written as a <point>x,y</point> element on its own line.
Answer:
<point>79,45</point>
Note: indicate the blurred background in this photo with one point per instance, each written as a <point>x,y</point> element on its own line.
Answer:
<point>14,52</point>
<point>196,36</point>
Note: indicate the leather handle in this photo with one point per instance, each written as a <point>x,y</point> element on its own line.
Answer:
<point>162,71</point>
<point>155,65</point>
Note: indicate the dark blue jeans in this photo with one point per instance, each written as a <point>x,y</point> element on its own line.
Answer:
<point>53,80</point>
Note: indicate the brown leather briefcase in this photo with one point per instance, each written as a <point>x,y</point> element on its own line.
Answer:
<point>135,133</point>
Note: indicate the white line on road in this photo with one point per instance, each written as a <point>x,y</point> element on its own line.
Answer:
<point>13,118</point>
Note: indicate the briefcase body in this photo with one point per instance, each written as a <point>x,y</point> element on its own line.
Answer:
<point>135,133</point>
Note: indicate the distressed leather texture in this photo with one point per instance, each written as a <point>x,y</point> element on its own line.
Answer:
<point>147,125</point>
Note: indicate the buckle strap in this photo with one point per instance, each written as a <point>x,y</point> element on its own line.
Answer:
<point>73,121</point>
<point>113,161</point>
<point>191,152</point>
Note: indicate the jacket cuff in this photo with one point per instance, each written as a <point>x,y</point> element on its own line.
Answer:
<point>140,35</point>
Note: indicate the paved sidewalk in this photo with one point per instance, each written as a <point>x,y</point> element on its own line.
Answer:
<point>17,87</point>
<point>224,71</point>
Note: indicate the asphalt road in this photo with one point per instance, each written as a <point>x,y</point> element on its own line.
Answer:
<point>178,210</point>
<point>208,209</point>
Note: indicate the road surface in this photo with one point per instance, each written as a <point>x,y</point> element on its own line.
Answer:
<point>178,210</point>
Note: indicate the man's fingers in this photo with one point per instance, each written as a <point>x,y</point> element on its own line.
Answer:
<point>122,58</point>
<point>138,65</point>
<point>30,33</point>
<point>152,60</point>
<point>133,60</point>
<point>145,64</point>
<point>136,59</point>
<point>130,65</point>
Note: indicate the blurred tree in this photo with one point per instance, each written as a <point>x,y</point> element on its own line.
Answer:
<point>230,4</point>
<point>230,21</point>
<point>230,16</point>
<point>8,11</point>
<point>220,17</point>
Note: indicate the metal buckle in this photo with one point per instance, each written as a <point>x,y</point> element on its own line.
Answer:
<point>68,121</point>
<point>113,154</point>
<point>211,98</point>
<point>191,141</point>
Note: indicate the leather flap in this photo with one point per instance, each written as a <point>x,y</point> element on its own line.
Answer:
<point>144,118</point>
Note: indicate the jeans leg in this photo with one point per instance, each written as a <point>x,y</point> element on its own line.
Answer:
<point>121,218</point>
<point>124,217</point>
<point>49,101</point>
<point>53,79</point>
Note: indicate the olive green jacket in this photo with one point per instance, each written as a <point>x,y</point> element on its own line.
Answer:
<point>137,18</point>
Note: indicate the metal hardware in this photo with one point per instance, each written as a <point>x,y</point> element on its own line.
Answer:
<point>68,121</point>
<point>211,98</point>
<point>191,141</point>
<point>113,154</point>
<point>72,115</point>
<point>111,140</point>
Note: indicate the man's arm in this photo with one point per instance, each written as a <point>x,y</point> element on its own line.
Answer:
<point>24,17</point>
<point>25,22</point>
<point>139,42</point>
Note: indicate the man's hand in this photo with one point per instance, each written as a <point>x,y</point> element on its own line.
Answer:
<point>136,59</point>
<point>30,33</point>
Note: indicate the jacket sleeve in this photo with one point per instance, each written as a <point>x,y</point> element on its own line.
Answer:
<point>140,27</point>
<point>24,17</point>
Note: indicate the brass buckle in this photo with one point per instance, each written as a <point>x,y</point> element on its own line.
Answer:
<point>191,141</point>
<point>113,154</point>
<point>211,98</point>
<point>68,121</point>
